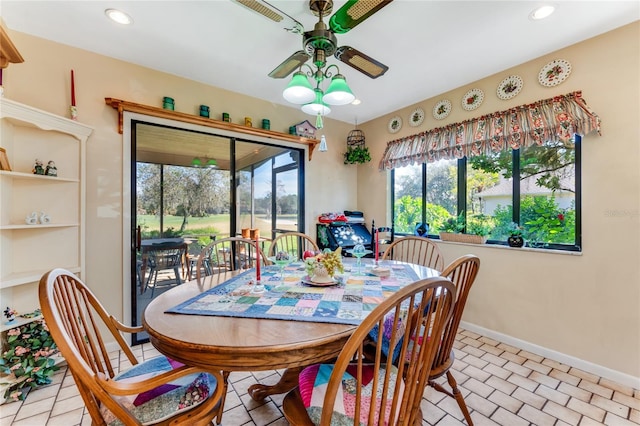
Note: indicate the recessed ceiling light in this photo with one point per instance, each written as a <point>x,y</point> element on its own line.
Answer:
<point>118,16</point>
<point>542,12</point>
<point>356,102</point>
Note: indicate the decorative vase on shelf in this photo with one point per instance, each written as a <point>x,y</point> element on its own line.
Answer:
<point>515,241</point>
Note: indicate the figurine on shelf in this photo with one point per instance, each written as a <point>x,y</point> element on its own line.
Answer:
<point>45,218</point>
<point>52,170</point>
<point>10,314</point>
<point>31,219</point>
<point>37,168</point>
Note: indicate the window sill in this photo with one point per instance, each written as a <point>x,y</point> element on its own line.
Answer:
<point>505,247</point>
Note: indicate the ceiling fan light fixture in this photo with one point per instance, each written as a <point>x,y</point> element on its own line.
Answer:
<point>299,90</point>
<point>316,107</point>
<point>339,92</point>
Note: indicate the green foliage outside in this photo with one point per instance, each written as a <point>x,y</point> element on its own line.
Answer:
<point>542,221</point>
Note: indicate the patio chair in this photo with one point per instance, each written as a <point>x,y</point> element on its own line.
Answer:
<point>164,256</point>
<point>462,272</point>
<point>227,255</point>
<point>158,391</point>
<point>418,250</point>
<point>357,391</point>
<point>294,243</point>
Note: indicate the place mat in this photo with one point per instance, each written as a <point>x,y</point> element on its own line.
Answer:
<point>348,302</point>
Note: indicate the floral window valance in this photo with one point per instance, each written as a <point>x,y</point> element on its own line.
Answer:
<point>557,118</point>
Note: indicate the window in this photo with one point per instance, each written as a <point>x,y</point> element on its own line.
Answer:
<point>537,187</point>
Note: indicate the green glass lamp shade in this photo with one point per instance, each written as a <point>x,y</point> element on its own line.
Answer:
<point>299,90</point>
<point>317,107</point>
<point>196,162</point>
<point>212,163</point>
<point>338,92</point>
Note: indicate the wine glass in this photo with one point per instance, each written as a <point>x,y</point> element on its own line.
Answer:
<point>281,264</point>
<point>359,252</point>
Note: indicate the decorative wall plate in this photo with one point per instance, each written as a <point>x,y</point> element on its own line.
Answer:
<point>442,109</point>
<point>395,124</point>
<point>510,87</point>
<point>554,73</point>
<point>472,99</point>
<point>416,117</point>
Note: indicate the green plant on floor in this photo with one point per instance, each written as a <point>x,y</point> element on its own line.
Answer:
<point>27,360</point>
<point>357,155</point>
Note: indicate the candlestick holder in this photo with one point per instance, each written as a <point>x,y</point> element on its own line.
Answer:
<point>258,287</point>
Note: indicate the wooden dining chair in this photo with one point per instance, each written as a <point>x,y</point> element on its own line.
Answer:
<point>462,272</point>
<point>228,255</point>
<point>294,243</point>
<point>418,250</point>
<point>158,391</point>
<point>374,391</point>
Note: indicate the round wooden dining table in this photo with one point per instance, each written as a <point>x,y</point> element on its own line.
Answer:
<point>244,344</point>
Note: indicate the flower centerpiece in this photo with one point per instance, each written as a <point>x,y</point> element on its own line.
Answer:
<point>27,362</point>
<point>323,267</point>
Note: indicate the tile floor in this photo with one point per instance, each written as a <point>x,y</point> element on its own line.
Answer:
<point>503,385</point>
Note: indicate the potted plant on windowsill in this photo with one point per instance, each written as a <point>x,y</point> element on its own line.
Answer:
<point>515,235</point>
<point>478,228</point>
<point>357,155</point>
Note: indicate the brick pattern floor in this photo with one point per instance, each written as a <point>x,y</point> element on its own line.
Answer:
<point>502,385</point>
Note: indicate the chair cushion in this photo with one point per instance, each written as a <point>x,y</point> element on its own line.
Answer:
<point>313,385</point>
<point>386,335</point>
<point>167,399</point>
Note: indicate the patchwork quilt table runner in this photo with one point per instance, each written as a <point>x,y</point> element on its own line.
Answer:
<point>349,301</point>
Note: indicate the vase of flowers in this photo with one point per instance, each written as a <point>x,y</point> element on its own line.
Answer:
<point>324,266</point>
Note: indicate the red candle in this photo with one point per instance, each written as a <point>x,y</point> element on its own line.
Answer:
<point>73,90</point>
<point>377,247</point>
<point>257,260</point>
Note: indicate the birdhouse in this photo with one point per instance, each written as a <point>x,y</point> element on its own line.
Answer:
<point>306,130</point>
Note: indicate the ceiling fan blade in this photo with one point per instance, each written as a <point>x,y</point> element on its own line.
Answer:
<point>273,13</point>
<point>291,63</point>
<point>353,13</point>
<point>358,60</point>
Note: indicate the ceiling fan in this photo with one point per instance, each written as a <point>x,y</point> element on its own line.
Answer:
<point>321,42</point>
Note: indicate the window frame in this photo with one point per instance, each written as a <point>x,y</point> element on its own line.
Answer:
<point>515,194</point>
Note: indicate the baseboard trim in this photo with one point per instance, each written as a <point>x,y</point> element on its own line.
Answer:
<point>589,367</point>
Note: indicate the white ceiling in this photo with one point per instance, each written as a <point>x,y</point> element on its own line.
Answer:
<point>430,46</point>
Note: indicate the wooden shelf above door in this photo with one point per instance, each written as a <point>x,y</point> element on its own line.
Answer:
<point>122,106</point>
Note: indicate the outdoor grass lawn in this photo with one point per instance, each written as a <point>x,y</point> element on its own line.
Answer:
<point>213,224</point>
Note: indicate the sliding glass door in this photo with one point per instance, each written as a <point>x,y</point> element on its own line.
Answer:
<point>192,187</point>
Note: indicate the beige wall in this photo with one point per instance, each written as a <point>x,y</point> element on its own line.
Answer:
<point>587,307</point>
<point>43,81</point>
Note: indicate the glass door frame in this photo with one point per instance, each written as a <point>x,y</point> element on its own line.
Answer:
<point>131,237</point>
